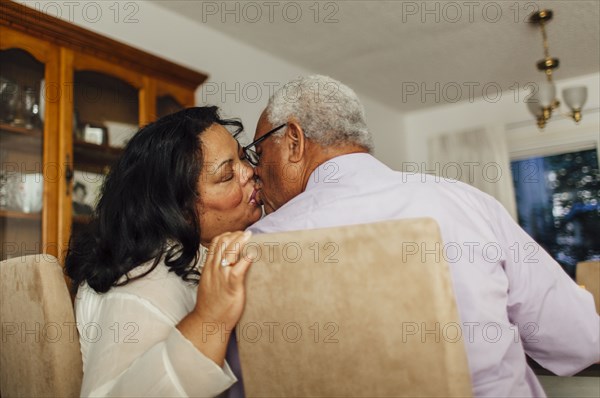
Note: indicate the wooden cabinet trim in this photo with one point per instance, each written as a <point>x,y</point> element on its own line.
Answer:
<point>38,49</point>
<point>65,150</point>
<point>52,171</point>
<point>84,62</point>
<point>147,97</point>
<point>181,94</point>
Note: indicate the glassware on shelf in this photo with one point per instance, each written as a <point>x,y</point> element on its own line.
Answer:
<point>9,98</point>
<point>31,108</point>
<point>24,191</point>
<point>3,189</point>
<point>3,179</point>
<point>19,106</point>
<point>42,106</point>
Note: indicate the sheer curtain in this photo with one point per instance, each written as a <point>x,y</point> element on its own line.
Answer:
<point>477,157</point>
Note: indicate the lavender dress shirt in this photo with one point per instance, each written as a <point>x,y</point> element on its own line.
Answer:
<point>512,297</point>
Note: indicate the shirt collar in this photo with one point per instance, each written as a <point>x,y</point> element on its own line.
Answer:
<point>335,168</point>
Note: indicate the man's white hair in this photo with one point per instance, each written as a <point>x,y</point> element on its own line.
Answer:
<point>328,111</point>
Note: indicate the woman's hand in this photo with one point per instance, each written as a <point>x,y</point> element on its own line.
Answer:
<point>222,293</point>
<point>221,296</point>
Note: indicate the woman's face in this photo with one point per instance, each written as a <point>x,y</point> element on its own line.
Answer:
<point>226,186</point>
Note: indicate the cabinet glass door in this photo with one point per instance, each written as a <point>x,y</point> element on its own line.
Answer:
<point>105,116</point>
<point>167,104</point>
<point>21,153</point>
<point>171,98</point>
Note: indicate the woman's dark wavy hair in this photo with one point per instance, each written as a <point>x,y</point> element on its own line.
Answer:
<point>147,209</point>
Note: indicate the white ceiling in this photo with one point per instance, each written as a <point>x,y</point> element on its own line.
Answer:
<point>386,48</point>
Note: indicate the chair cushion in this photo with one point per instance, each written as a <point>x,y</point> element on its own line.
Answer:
<point>588,275</point>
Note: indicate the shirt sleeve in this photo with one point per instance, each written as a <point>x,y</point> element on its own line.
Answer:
<point>558,323</point>
<point>135,350</point>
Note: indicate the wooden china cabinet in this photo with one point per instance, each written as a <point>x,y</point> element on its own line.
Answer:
<point>69,101</point>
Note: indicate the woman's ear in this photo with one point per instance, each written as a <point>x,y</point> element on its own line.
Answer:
<point>295,141</point>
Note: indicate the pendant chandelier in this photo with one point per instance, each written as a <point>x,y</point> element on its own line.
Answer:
<point>542,102</point>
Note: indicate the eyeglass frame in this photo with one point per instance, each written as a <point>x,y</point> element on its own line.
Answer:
<point>248,151</point>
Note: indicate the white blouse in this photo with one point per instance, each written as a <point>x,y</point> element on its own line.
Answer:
<point>130,344</point>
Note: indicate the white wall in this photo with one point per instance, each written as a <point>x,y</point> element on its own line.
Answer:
<point>386,126</point>
<point>511,114</point>
<point>241,77</point>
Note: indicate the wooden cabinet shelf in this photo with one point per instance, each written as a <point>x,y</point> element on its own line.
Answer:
<point>17,215</point>
<point>20,138</point>
<point>99,156</point>
<point>9,128</point>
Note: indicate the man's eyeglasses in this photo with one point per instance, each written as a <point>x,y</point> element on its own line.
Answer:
<point>251,154</point>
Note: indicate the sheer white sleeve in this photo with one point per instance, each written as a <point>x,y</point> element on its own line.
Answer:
<point>131,348</point>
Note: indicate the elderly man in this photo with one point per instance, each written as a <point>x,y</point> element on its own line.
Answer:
<point>313,159</point>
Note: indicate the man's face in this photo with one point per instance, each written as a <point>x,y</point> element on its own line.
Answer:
<point>277,176</point>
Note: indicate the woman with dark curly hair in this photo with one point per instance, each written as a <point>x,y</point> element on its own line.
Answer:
<point>148,323</point>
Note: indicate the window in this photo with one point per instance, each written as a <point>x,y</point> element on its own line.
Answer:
<point>558,204</point>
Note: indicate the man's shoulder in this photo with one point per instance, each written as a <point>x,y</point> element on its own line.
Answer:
<point>369,194</point>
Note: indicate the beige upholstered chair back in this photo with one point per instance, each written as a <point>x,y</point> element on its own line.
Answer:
<point>39,349</point>
<point>587,274</point>
<point>358,311</point>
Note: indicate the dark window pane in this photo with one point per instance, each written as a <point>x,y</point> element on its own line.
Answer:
<point>558,204</point>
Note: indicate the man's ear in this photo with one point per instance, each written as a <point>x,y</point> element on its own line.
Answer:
<point>295,141</point>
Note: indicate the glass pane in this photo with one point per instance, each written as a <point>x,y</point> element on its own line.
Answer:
<point>558,204</point>
<point>105,116</point>
<point>21,162</point>
<point>165,105</point>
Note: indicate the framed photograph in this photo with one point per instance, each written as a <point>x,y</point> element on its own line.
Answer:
<point>86,191</point>
<point>95,134</point>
